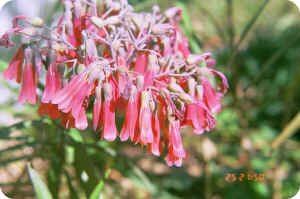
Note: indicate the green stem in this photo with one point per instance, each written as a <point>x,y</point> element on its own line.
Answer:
<point>246,31</point>
<point>230,21</point>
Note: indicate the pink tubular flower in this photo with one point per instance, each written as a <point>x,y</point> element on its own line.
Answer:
<point>129,126</point>
<point>14,70</point>
<point>176,152</point>
<point>97,109</point>
<point>72,98</point>
<point>28,90</point>
<point>145,117</point>
<point>141,63</point>
<point>154,147</point>
<point>113,60</point>
<point>53,83</point>
<point>199,117</point>
<point>109,125</point>
<point>211,98</point>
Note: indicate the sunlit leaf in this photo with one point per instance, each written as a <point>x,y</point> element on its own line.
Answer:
<point>40,188</point>
<point>98,189</point>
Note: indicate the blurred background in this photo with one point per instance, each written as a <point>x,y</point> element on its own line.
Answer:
<point>257,46</point>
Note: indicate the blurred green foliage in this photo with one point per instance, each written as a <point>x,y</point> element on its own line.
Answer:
<point>264,75</point>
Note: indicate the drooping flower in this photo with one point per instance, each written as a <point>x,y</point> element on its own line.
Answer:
<point>145,117</point>
<point>53,83</point>
<point>14,70</point>
<point>72,98</point>
<point>131,116</point>
<point>176,152</point>
<point>97,108</point>
<point>29,81</point>
<point>154,147</point>
<point>109,124</point>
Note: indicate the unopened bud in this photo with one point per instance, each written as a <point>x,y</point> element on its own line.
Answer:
<point>173,13</point>
<point>210,63</point>
<point>156,9</point>
<point>37,22</point>
<point>116,6</point>
<point>116,44</point>
<point>175,88</point>
<point>196,59</point>
<point>203,71</point>
<point>98,21</point>
<point>113,20</point>
<point>160,29</point>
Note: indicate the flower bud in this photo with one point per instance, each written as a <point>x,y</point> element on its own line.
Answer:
<point>37,22</point>
<point>196,58</point>
<point>161,29</point>
<point>98,21</point>
<point>210,63</point>
<point>204,71</point>
<point>113,20</point>
<point>173,86</point>
<point>156,9</point>
<point>173,13</point>
<point>116,6</point>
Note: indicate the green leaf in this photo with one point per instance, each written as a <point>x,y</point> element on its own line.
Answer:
<point>98,189</point>
<point>76,135</point>
<point>85,169</point>
<point>40,189</point>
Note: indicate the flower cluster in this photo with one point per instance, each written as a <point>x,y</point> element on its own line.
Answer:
<point>107,58</point>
